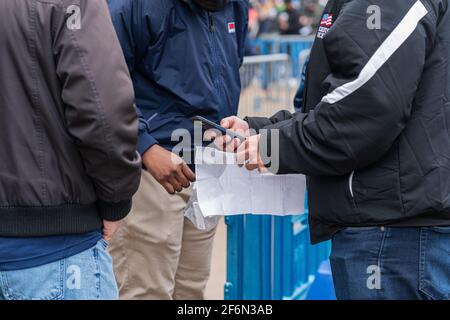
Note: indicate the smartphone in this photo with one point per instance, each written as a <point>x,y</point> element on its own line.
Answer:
<point>208,124</point>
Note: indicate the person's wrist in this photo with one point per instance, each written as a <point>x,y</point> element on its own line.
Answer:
<point>146,156</point>
<point>149,151</point>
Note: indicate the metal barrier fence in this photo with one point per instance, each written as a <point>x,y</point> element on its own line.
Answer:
<point>270,257</point>
<point>267,85</point>
<point>294,46</point>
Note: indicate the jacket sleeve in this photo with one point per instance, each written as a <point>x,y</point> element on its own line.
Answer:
<point>99,102</point>
<point>132,26</point>
<point>374,78</point>
<point>243,35</point>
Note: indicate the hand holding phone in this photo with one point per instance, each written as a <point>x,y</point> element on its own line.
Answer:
<point>208,124</point>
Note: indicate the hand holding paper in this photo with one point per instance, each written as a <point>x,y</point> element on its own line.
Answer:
<point>223,188</point>
<point>248,154</point>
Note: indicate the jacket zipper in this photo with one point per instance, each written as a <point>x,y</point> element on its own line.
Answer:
<point>212,30</point>
<point>305,90</point>
<point>350,183</point>
<point>212,27</point>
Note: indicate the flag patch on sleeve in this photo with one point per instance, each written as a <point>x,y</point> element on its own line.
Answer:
<point>325,25</point>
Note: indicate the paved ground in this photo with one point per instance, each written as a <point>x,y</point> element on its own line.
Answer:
<point>214,290</point>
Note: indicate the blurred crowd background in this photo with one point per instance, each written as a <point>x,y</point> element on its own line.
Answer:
<point>284,17</point>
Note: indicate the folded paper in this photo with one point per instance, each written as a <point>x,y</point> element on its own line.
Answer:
<point>223,188</point>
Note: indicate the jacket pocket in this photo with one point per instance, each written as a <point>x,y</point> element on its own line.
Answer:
<point>376,192</point>
<point>330,200</point>
<point>41,283</point>
<point>350,184</point>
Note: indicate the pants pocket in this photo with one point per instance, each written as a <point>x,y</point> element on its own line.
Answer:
<point>355,263</point>
<point>41,283</point>
<point>89,275</point>
<point>435,262</point>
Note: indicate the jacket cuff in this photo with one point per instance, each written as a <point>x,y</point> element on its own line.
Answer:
<point>111,211</point>
<point>146,141</point>
<point>265,148</point>
<point>257,123</point>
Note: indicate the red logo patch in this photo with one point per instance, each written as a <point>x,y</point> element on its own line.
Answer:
<point>231,27</point>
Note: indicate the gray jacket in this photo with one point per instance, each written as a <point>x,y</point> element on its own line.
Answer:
<point>68,124</point>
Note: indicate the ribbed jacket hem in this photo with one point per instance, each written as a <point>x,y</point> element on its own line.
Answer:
<point>114,211</point>
<point>49,221</point>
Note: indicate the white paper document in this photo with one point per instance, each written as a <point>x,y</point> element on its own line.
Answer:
<point>225,189</point>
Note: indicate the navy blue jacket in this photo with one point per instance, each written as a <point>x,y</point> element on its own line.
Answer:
<point>184,61</point>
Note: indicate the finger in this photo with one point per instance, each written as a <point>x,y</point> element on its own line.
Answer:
<point>188,172</point>
<point>211,134</point>
<point>175,184</point>
<point>240,159</point>
<point>227,122</point>
<point>226,143</point>
<point>110,228</point>
<point>182,179</point>
<point>251,166</point>
<point>262,168</point>
<point>236,143</point>
<point>232,144</point>
<point>169,188</point>
<point>242,155</point>
<point>107,234</point>
<point>219,142</point>
<point>253,149</point>
<point>242,146</point>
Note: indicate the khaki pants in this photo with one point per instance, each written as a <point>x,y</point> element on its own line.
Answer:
<point>158,254</point>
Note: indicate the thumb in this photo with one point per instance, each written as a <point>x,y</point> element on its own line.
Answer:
<point>211,134</point>
<point>226,123</point>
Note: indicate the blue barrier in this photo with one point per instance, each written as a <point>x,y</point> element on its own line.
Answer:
<point>322,288</point>
<point>291,45</point>
<point>271,258</point>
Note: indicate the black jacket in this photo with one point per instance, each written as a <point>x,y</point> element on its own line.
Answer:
<point>373,136</point>
<point>68,125</point>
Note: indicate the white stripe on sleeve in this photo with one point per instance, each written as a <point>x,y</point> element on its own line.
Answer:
<point>400,34</point>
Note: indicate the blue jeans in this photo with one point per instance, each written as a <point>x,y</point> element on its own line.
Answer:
<point>392,263</point>
<point>85,276</point>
